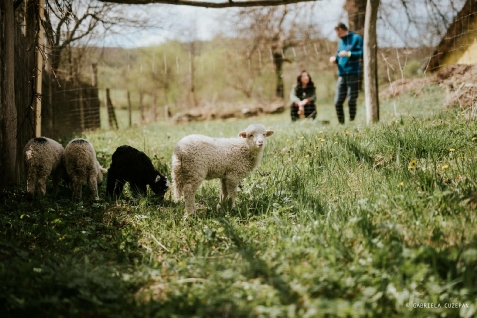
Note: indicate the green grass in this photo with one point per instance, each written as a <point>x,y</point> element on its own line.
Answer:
<point>338,221</point>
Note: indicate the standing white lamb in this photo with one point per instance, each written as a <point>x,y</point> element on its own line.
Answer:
<point>43,157</point>
<point>83,167</point>
<point>197,158</point>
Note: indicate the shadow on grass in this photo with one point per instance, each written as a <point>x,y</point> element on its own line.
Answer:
<point>58,258</point>
<point>259,268</point>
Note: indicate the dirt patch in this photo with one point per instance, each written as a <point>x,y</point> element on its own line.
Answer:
<point>402,86</point>
<point>460,84</point>
<point>459,81</point>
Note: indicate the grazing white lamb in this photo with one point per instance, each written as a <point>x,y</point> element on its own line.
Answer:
<point>83,167</point>
<point>43,157</point>
<point>197,158</point>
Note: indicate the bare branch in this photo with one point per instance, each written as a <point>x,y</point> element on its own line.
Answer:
<point>210,4</point>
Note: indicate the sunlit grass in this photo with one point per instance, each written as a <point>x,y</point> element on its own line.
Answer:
<point>346,221</point>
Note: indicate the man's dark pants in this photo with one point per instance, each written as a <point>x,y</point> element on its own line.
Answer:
<point>347,86</point>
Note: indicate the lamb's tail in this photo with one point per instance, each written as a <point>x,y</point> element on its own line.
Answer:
<point>177,184</point>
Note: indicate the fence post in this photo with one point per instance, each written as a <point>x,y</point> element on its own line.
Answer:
<point>79,87</point>
<point>94,79</point>
<point>129,109</point>
<point>111,115</point>
<point>8,110</point>
<point>371,92</point>
<point>39,68</point>
<point>141,107</point>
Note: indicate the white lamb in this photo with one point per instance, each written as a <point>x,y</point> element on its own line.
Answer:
<point>197,158</point>
<point>43,157</point>
<point>83,167</point>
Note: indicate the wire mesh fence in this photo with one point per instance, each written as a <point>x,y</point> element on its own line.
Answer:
<point>206,78</point>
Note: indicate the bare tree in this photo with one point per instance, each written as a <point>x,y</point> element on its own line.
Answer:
<point>75,22</point>
<point>356,10</point>
<point>213,4</point>
<point>272,31</point>
<point>244,69</point>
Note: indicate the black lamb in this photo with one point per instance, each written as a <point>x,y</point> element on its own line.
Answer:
<point>134,166</point>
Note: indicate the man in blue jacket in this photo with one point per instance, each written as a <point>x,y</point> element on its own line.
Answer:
<point>350,51</point>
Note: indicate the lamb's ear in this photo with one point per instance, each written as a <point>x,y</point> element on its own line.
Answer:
<point>269,133</point>
<point>158,178</point>
<point>242,134</point>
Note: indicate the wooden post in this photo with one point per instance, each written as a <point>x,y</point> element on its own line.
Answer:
<point>39,69</point>
<point>8,108</point>
<point>154,106</point>
<point>94,79</point>
<point>113,123</point>
<point>129,109</point>
<point>141,107</point>
<point>370,62</point>
<point>79,87</point>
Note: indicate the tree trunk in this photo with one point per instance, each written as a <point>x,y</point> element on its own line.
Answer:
<point>39,69</point>
<point>356,10</point>
<point>55,57</point>
<point>278,63</point>
<point>370,63</point>
<point>8,116</point>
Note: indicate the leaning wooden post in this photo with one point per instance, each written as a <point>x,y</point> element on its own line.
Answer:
<point>129,109</point>
<point>39,69</point>
<point>113,122</point>
<point>94,75</point>
<point>371,92</point>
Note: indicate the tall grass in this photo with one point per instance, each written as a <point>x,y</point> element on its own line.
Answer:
<point>338,221</point>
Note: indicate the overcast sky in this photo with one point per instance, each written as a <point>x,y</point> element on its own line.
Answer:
<point>208,23</point>
<point>392,27</point>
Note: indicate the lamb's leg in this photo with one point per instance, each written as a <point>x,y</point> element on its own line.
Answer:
<point>56,176</point>
<point>111,183</point>
<point>41,182</point>
<point>224,193</point>
<point>93,186</point>
<point>77,188</point>
<point>232,190</point>
<point>119,188</point>
<point>189,196</point>
<point>177,185</point>
<point>139,189</point>
<point>31,182</point>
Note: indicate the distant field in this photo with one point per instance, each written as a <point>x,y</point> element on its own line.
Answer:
<point>338,221</point>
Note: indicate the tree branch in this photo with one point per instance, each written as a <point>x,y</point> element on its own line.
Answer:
<point>210,4</point>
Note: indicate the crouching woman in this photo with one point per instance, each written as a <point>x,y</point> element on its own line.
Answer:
<point>303,97</point>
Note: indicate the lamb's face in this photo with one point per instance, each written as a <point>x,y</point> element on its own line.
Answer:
<point>160,186</point>
<point>256,135</point>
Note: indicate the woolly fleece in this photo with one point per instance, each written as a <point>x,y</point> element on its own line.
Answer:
<point>197,158</point>
<point>43,157</point>
<point>134,166</point>
<point>83,167</point>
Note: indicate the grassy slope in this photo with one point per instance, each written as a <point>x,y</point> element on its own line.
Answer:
<point>338,221</point>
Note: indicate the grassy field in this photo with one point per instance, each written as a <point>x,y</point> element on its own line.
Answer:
<point>338,221</point>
